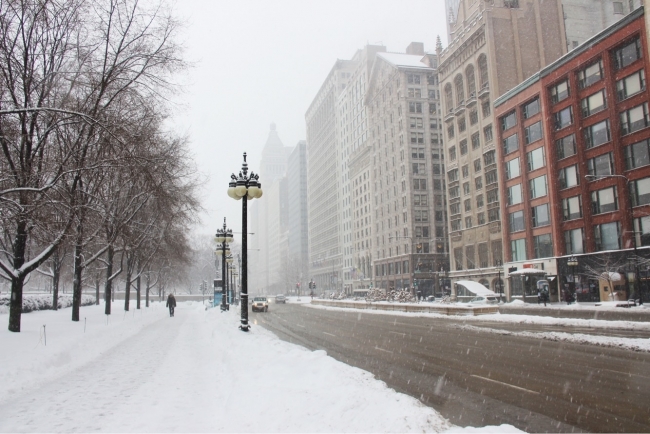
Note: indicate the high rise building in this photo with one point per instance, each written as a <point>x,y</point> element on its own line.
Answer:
<point>326,180</point>
<point>495,46</point>
<point>297,268</point>
<point>407,196</point>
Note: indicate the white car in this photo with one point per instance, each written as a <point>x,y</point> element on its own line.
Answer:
<point>484,299</point>
<point>280,298</point>
<point>260,304</point>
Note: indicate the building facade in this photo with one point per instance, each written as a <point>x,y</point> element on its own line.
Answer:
<point>496,45</point>
<point>325,180</point>
<point>407,197</point>
<point>574,140</point>
<point>297,267</point>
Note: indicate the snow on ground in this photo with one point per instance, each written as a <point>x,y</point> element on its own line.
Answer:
<point>143,371</point>
<point>607,341</point>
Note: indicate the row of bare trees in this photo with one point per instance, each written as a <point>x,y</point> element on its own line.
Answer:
<point>87,164</point>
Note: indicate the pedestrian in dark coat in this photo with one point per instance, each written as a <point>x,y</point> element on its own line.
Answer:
<point>171,304</point>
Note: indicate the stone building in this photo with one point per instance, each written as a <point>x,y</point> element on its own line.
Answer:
<point>495,46</point>
<point>407,197</point>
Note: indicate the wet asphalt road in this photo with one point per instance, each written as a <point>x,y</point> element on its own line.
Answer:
<point>475,378</point>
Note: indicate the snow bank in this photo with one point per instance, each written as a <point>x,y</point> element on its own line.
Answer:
<point>43,302</point>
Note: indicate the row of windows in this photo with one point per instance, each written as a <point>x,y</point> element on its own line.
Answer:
<point>475,141</point>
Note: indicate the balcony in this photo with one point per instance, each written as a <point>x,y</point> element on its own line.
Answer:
<point>484,92</point>
<point>450,115</point>
<point>471,100</point>
<point>460,108</point>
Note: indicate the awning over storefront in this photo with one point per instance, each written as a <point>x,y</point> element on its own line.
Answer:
<point>475,287</point>
<point>529,271</point>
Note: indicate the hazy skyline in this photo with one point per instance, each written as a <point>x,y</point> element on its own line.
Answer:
<point>263,62</point>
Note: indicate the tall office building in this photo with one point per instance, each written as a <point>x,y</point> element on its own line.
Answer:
<point>297,218</point>
<point>326,180</point>
<point>407,198</point>
<point>495,45</point>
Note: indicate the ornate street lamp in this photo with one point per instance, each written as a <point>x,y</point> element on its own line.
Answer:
<point>223,237</point>
<point>499,264</point>
<point>244,187</point>
<point>229,292</point>
<point>572,263</point>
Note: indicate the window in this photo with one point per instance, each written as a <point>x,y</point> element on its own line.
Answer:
<point>454,208</point>
<point>574,241</point>
<point>508,121</point>
<point>486,108</point>
<point>419,184</point>
<point>642,228</point>
<point>452,153</point>
<point>543,246</point>
<point>473,117</point>
<point>597,134</point>
<point>511,3</point>
<point>417,153</point>
<point>531,108</point>
<point>478,182</point>
<point>604,200</point>
<point>493,215</point>
<point>538,187</point>
<point>533,133</point>
<point>618,8</point>
<point>419,168</point>
<point>417,138</point>
<point>566,146</point>
<point>476,141</point>
<point>480,219</point>
<point>607,236</point>
<point>637,155</point>
<point>493,196</point>
<point>483,71</point>
<point>468,205</point>
<point>479,201</point>
<point>413,78</point>
<point>487,132</point>
<point>461,124</point>
<point>491,177</point>
<point>450,131</point>
<point>512,168</point>
<point>468,222</point>
<point>510,144</point>
<point>541,215</point>
<point>627,54</point>
<point>560,91</point>
<point>466,189</point>
<point>517,221</point>
<point>463,147</point>
<point>635,119</point>
<point>569,176</point>
<point>630,85</point>
<point>536,159</point>
<point>601,165</point>
<point>415,107</point>
<point>590,75</point>
<point>455,225</point>
<point>454,192</point>
<point>414,92</point>
<point>514,194</point>
<point>477,165</point>
<point>416,123</point>
<point>640,191</point>
<point>489,158</point>
<point>465,170</point>
<point>593,103</point>
<point>518,248</point>
<point>563,118</point>
<point>572,208</point>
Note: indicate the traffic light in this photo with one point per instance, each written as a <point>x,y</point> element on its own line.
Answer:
<point>298,285</point>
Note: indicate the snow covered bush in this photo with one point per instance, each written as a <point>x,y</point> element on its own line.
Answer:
<point>43,302</point>
<point>375,294</point>
<point>402,296</point>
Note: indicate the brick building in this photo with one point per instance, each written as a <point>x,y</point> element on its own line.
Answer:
<point>575,146</point>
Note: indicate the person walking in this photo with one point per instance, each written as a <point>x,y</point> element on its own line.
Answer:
<point>171,303</point>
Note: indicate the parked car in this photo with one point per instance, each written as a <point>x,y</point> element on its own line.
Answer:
<point>260,304</point>
<point>280,298</point>
<point>484,299</point>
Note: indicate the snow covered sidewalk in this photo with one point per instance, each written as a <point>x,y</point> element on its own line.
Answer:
<point>143,371</point>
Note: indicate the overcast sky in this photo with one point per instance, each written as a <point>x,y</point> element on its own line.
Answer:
<point>260,62</point>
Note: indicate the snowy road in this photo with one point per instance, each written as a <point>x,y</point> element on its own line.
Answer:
<point>145,372</point>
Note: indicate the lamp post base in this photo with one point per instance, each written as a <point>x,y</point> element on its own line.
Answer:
<point>244,328</point>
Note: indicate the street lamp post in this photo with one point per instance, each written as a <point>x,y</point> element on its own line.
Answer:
<point>244,187</point>
<point>630,212</point>
<point>223,237</point>
<point>498,263</point>
<point>572,263</point>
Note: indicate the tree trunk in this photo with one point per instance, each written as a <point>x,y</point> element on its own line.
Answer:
<point>109,282</point>
<point>137,286</point>
<point>55,279</point>
<point>127,289</point>
<point>97,291</point>
<point>147,292</point>
<point>16,304</point>
<point>76,281</point>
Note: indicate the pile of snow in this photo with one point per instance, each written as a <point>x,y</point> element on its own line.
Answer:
<point>143,371</point>
<point>43,302</point>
